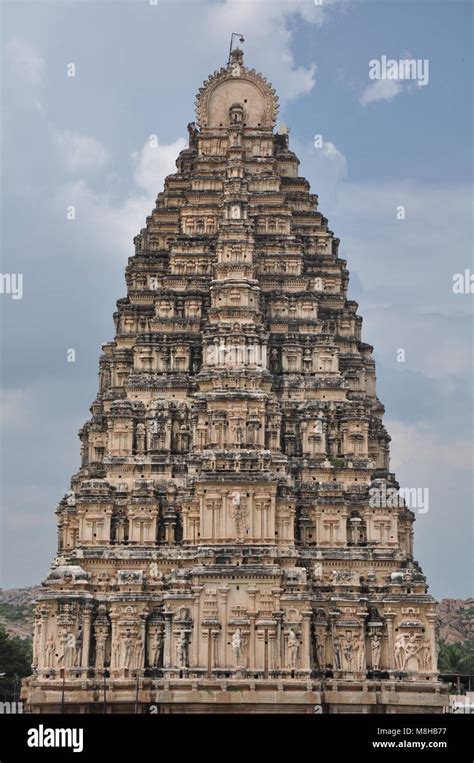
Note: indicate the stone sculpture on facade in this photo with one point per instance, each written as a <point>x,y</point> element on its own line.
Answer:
<point>293,647</point>
<point>237,646</point>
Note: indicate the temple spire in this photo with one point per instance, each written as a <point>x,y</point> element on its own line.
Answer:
<point>229,521</point>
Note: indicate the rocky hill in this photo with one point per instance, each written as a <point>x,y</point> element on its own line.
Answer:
<point>456,620</point>
<point>16,610</point>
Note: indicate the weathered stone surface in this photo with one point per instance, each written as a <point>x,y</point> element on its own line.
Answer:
<point>217,548</point>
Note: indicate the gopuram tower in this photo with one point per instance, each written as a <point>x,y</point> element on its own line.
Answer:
<point>226,545</point>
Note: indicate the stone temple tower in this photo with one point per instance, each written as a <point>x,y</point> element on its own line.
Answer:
<point>227,544</point>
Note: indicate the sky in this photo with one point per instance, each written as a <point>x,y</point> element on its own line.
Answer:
<point>392,167</point>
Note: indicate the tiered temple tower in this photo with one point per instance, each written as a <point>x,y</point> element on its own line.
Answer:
<point>221,547</point>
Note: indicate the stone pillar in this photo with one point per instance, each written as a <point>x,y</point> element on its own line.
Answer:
<point>143,642</point>
<point>278,640</point>
<point>195,657</point>
<point>224,660</point>
<point>86,635</point>
<point>252,592</point>
<point>317,526</point>
<point>431,617</point>
<point>168,647</point>
<point>215,649</point>
<point>306,641</point>
<point>44,612</point>
<point>272,648</point>
<point>389,620</point>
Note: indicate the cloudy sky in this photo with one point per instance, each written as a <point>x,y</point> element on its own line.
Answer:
<point>83,141</point>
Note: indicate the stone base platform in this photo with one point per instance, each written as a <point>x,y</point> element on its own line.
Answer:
<point>238,696</point>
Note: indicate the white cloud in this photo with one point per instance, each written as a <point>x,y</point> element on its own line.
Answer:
<point>114,224</point>
<point>333,158</point>
<point>418,445</point>
<point>406,267</point>
<point>81,153</point>
<point>24,61</point>
<point>110,226</point>
<point>154,162</point>
<point>270,37</point>
<point>380,90</point>
<point>324,165</point>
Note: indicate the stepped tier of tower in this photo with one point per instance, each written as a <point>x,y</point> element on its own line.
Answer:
<point>222,529</point>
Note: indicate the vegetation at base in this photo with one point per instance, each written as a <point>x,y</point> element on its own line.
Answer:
<point>15,663</point>
<point>456,658</point>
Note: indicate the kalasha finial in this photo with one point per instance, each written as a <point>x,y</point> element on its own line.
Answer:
<point>235,56</point>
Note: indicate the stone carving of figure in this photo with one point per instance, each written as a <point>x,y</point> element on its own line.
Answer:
<point>153,571</point>
<point>182,650</point>
<point>400,651</point>
<point>320,652</point>
<point>49,652</point>
<point>100,652</point>
<point>70,650</point>
<point>237,646</point>
<point>274,361</point>
<point>154,650</point>
<point>318,571</point>
<point>60,655</point>
<point>348,652</point>
<point>140,435</point>
<point>129,650</point>
<point>77,659</point>
<point>426,657</point>
<point>183,438</point>
<point>139,655</point>
<point>412,648</point>
<point>238,436</point>
<point>359,654</point>
<point>293,646</point>
<point>238,515</point>
<point>336,645</point>
<point>116,649</point>
<point>376,645</point>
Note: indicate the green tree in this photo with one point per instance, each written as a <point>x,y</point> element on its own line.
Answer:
<point>467,656</point>
<point>15,663</point>
<point>456,658</point>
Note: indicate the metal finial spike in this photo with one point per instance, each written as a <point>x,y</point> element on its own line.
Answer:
<point>241,39</point>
